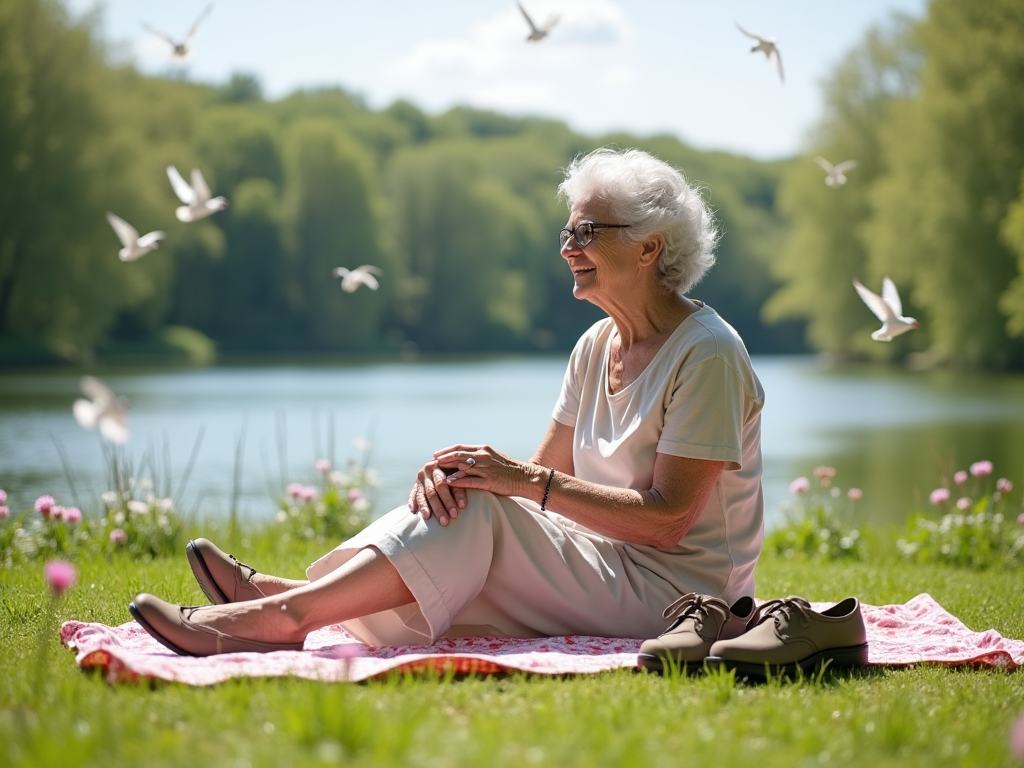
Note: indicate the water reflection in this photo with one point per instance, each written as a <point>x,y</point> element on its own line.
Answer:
<point>893,433</point>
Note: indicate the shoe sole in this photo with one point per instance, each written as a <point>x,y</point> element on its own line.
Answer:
<point>137,615</point>
<point>203,576</point>
<point>838,658</point>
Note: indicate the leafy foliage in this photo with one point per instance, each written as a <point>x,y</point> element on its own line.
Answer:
<point>817,526</point>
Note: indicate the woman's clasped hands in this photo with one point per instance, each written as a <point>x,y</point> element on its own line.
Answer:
<point>440,487</point>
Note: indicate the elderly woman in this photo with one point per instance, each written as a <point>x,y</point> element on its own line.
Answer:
<point>646,486</point>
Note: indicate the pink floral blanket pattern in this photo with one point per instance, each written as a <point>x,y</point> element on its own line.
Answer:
<point>918,631</point>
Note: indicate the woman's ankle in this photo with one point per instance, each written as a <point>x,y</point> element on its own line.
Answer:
<point>271,585</point>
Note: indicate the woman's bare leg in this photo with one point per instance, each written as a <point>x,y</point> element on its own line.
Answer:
<point>276,585</point>
<point>366,584</point>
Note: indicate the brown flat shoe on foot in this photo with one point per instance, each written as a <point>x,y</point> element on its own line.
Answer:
<point>700,620</point>
<point>221,576</point>
<point>787,635</point>
<point>169,625</point>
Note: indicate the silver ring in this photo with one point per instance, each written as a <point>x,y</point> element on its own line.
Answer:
<point>471,461</point>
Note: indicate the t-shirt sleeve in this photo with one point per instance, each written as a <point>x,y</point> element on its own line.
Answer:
<point>706,413</point>
<point>568,406</point>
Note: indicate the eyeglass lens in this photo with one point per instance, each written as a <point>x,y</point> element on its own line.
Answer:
<point>583,233</point>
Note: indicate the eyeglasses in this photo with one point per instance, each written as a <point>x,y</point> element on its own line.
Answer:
<point>583,233</point>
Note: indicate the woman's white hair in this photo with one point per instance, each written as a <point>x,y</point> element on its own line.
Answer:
<point>651,196</point>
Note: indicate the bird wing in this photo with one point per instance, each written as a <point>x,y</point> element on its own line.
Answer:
<point>96,391</point>
<point>195,26</point>
<point>148,239</point>
<point>846,165</point>
<point>533,27</point>
<point>891,296</point>
<point>551,22</point>
<point>200,186</point>
<point>776,57</point>
<point>126,233</point>
<point>825,164</point>
<point>369,268</point>
<point>340,272</point>
<point>185,193</point>
<point>162,35</point>
<point>85,413</point>
<point>751,35</point>
<point>875,303</point>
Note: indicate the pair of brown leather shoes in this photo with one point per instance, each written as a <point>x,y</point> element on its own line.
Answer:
<point>779,637</point>
<point>223,579</point>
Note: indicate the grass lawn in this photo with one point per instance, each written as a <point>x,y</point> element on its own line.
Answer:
<point>53,714</point>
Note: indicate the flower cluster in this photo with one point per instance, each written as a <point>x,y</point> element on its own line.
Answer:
<point>975,530</point>
<point>815,528</point>
<point>141,527</point>
<point>336,511</point>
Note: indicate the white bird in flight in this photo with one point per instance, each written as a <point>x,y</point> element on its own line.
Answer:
<point>351,279</point>
<point>198,204</point>
<point>836,173</point>
<point>180,50</point>
<point>537,33</point>
<point>888,308</point>
<point>768,47</point>
<point>102,410</point>
<point>134,246</point>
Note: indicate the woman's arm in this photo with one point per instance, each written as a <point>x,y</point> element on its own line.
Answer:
<point>659,516</point>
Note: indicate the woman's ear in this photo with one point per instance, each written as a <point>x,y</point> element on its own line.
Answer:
<point>652,248</point>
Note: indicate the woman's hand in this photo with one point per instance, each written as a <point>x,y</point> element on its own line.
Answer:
<point>431,495</point>
<point>483,468</point>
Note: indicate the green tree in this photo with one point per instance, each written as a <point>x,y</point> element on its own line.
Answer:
<point>1012,301</point>
<point>954,157</point>
<point>823,251</point>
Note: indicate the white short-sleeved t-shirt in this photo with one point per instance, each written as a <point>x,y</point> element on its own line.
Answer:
<point>699,398</point>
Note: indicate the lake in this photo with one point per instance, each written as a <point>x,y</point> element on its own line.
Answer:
<point>891,432</point>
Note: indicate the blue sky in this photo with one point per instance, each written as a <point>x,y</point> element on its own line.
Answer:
<point>645,66</point>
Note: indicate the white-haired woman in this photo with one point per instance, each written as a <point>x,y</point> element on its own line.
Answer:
<point>645,487</point>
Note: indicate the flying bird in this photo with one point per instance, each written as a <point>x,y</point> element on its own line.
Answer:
<point>836,173</point>
<point>888,308</point>
<point>134,246</point>
<point>768,47</point>
<point>351,279</point>
<point>537,33</point>
<point>180,50</point>
<point>196,196</point>
<point>102,410</point>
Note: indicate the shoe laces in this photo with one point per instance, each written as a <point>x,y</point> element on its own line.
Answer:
<point>240,564</point>
<point>697,607</point>
<point>783,609</point>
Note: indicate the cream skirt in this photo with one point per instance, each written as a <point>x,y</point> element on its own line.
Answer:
<point>503,568</point>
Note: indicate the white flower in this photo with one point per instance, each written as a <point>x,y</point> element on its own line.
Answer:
<point>119,518</point>
<point>282,516</point>
<point>337,478</point>
<point>110,498</point>
<point>145,484</point>
<point>138,507</point>
<point>361,504</point>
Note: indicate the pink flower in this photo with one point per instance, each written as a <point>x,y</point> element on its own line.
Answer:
<point>799,485</point>
<point>939,496</point>
<point>294,490</point>
<point>3,496</point>
<point>307,493</point>
<point>1020,519</point>
<point>4,513</point>
<point>323,466</point>
<point>1003,485</point>
<point>1017,739</point>
<point>854,494</point>
<point>981,468</point>
<point>963,504</point>
<point>825,474</point>
<point>57,512</point>
<point>72,515</point>
<point>960,477</point>
<point>355,493</point>
<point>118,536</point>
<point>44,504</point>
<point>60,575</point>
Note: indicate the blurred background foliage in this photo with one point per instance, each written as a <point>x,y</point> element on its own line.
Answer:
<point>459,209</point>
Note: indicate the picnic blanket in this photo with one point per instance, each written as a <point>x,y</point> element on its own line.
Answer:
<point>918,631</point>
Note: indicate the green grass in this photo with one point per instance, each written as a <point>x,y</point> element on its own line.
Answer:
<point>55,715</point>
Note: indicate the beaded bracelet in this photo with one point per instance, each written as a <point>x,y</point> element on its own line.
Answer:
<point>547,490</point>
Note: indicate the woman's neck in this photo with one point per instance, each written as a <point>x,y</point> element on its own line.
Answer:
<point>659,315</point>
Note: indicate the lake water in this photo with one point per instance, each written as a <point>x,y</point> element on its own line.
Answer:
<point>890,432</point>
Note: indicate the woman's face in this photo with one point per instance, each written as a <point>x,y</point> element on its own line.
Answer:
<point>608,265</point>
